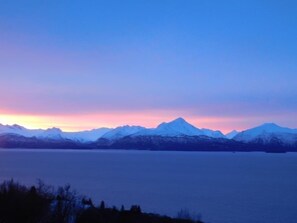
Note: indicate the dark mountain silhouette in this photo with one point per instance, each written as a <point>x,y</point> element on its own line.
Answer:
<point>150,142</point>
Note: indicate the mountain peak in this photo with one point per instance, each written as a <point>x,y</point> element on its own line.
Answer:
<point>179,119</point>
<point>176,122</point>
<point>272,127</point>
<point>268,127</point>
<point>176,127</point>
<point>270,124</point>
<point>266,132</point>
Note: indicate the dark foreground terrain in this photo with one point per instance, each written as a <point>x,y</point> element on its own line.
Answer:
<point>45,204</point>
<point>155,143</point>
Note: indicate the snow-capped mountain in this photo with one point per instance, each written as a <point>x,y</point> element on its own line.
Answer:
<point>175,135</point>
<point>213,133</point>
<point>83,136</point>
<point>268,133</point>
<point>231,134</point>
<point>179,127</point>
<point>86,136</point>
<point>54,133</point>
<point>122,131</point>
<point>19,130</point>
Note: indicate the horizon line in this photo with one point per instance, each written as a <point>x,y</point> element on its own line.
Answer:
<point>111,128</point>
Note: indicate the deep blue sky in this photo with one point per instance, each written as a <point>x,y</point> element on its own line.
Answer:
<point>220,64</point>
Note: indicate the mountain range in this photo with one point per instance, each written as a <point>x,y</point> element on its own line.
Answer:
<point>175,135</point>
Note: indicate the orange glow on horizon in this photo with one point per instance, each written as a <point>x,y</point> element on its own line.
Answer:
<point>78,122</point>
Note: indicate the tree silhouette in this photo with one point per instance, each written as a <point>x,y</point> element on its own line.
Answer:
<point>44,204</point>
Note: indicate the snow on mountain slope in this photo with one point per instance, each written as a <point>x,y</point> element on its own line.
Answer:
<point>19,130</point>
<point>86,136</point>
<point>268,132</point>
<point>54,133</point>
<point>231,134</point>
<point>122,131</point>
<point>212,133</point>
<point>179,127</point>
<point>51,133</point>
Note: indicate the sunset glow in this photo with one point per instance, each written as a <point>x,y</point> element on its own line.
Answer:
<point>148,111</point>
<point>119,67</point>
<point>78,122</point>
<point>91,121</point>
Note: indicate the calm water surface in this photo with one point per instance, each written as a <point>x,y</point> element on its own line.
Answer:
<point>222,187</point>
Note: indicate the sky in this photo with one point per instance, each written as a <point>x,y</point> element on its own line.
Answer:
<point>86,64</point>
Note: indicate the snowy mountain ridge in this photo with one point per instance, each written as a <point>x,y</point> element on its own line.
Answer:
<point>179,127</point>
<point>54,133</point>
<point>266,133</point>
<point>122,131</point>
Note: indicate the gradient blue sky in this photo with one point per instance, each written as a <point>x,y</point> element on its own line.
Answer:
<point>83,64</point>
